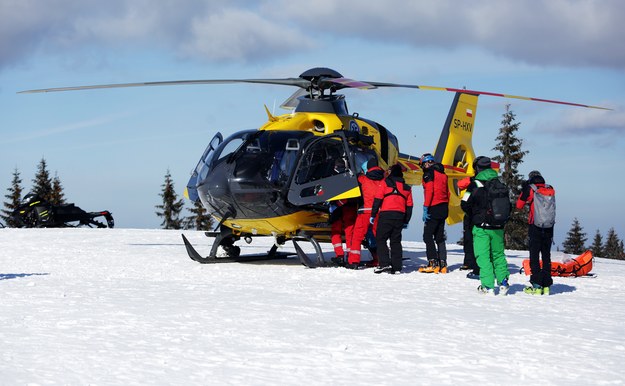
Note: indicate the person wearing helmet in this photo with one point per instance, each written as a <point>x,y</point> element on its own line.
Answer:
<point>540,237</point>
<point>435,212</point>
<point>488,238</point>
<point>469,262</point>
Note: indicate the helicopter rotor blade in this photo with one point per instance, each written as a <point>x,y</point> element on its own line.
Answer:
<point>319,79</point>
<point>298,82</point>
<point>476,92</point>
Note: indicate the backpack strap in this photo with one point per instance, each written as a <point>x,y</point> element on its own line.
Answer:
<point>395,192</point>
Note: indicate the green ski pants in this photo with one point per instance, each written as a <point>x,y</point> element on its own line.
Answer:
<point>489,253</point>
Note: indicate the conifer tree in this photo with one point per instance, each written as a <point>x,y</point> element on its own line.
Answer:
<point>42,183</point>
<point>613,248</point>
<point>14,197</point>
<point>57,196</point>
<point>510,157</point>
<point>575,239</point>
<point>171,207</point>
<point>199,219</point>
<point>597,245</point>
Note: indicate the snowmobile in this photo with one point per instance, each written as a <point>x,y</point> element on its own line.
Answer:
<point>34,212</point>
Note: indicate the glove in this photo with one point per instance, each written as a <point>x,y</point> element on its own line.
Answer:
<point>371,220</point>
<point>332,208</point>
<point>426,215</point>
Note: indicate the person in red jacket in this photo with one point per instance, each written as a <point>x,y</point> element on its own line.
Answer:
<point>435,212</point>
<point>370,181</point>
<point>393,202</point>
<point>342,219</point>
<point>540,239</point>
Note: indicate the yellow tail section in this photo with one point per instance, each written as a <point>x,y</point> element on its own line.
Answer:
<point>454,150</point>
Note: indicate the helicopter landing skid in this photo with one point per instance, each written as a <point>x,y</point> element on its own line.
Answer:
<point>303,257</point>
<point>212,258</point>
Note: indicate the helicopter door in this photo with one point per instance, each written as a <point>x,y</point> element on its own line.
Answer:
<point>324,172</point>
<point>202,168</point>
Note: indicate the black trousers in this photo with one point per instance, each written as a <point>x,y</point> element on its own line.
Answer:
<point>467,244</point>
<point>434,239</point>
<point>390,226</point>
<point>540,247</point>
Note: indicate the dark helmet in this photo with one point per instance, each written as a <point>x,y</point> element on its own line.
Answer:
<point>481,163</point>
<point>373,162</point>
<point>397,170</point>
<point>534,173</point>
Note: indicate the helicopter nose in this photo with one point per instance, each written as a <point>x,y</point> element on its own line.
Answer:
<point>216,185</point>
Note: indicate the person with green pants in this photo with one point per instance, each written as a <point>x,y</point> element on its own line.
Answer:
<point>488,229</point>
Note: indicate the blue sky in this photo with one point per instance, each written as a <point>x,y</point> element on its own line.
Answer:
<point>112,148</point>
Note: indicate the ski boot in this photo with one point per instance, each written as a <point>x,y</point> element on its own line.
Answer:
<point>504,286</point>
<point>338,261</point>
<point>535,289</point>
<point>431,267</point>
<point>385,269</point>
<point>485,290</point>
<point>442,267</point>
<point>353,266</point>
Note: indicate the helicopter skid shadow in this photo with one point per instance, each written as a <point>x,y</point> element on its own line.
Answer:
<point>8,276</point>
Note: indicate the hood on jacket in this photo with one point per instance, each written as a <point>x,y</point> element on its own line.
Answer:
<point>487,175</point>
<point>375,173</point>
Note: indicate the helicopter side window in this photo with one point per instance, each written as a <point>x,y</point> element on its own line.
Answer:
<point>324,159</point>
<point>362,156</point>
<point>287,163</point>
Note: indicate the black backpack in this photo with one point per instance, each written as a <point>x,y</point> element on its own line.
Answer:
<point>499,205</point>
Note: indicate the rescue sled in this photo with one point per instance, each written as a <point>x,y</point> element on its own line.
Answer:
<point>579,266</point>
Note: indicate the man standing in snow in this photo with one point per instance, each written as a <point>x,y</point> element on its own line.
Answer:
<point>393,201</point>
<point>435,212</point>
<point>469,262</point>
<point>370,181</point>
<point>540,237</point>
<point>488,238</point>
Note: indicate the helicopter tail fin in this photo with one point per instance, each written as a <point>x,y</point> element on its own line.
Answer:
<point>455,148</point>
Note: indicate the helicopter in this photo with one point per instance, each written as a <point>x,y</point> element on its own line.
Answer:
<point>277,180</point>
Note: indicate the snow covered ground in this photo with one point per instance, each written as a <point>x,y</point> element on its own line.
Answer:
<point>128,307</point>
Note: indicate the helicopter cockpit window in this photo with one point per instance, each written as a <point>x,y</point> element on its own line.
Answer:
<point>268,158</point>
<point>324,159</point>
<point>203,166</point>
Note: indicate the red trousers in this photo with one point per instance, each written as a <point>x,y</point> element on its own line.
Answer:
<point>360,230</point>
<point>343,227</point>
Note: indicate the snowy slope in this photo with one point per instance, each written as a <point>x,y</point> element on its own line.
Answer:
<point>128,307</point>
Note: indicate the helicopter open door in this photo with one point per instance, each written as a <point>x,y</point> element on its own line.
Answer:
<point>325,172</point>
<point>202,168</point>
